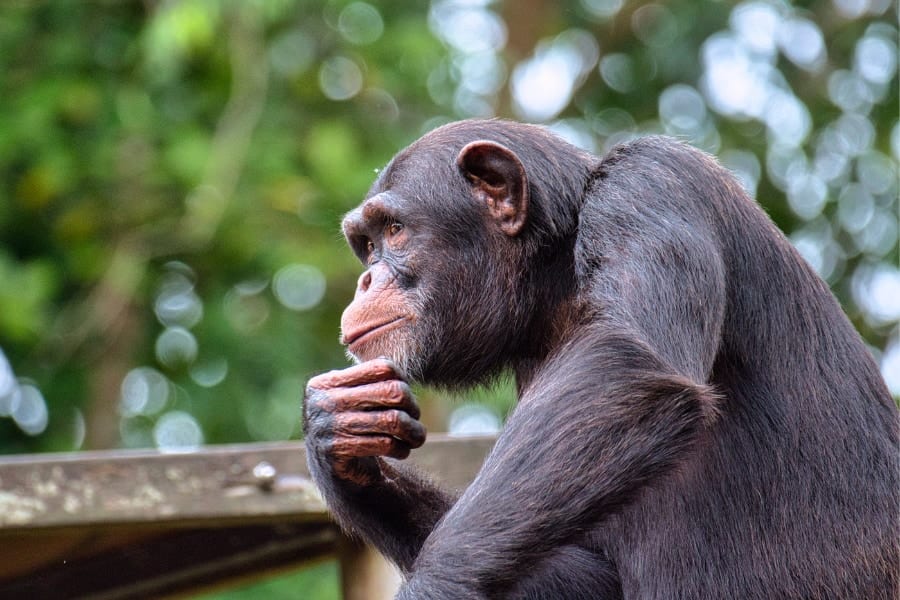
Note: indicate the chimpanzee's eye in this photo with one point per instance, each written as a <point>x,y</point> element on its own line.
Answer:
<point>370,247</point>
<point>394,229</point>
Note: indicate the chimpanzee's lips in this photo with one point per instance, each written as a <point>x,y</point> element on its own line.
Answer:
<point>366,330</point>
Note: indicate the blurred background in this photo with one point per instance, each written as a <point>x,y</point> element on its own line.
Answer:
<point>173,175</point>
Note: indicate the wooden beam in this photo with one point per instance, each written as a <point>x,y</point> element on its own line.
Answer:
<point>243,483</point>
<point>137,524</point>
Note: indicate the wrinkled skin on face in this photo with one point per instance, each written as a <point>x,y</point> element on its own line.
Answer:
<point>378,321</point>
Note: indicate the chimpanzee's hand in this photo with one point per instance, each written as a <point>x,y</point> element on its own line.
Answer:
<point>355,415</point>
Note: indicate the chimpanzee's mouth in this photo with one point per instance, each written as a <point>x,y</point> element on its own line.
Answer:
<point>368,331</point>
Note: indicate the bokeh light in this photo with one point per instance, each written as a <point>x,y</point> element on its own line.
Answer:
<point>177,304</point>
<point>21,400</point>
<point>29,409</point>
<point>542,86</point>
<point>177,431</point>
<point>602,9</point>
<point>876,288</point>
<point>617,71</point>
<point>144,391</point>
<point>7,384</point>
<point>467,27</point>
<point>176,347</point>
<point>890,366</point>
<point>340,78</point>
<point>245,307</point>
<point>299,287</point>
<point>292,53</point>
<point>801,41</point>
<point>209,373</point>
<point>360,23</point>
<point>473,419</point>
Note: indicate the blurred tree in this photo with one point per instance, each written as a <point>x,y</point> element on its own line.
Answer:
<point>172,175</point>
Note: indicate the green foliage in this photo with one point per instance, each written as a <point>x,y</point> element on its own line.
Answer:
<point>172,174</point>
<point>25,298</point>
<point>319,582</point>
<point>188,142</point>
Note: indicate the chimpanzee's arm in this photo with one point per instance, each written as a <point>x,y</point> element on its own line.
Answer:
<point>616,407</point>
<point>352,419</point>
<point>394,515</point>
<point>604,419</point>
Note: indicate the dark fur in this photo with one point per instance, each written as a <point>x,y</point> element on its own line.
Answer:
<point>697,417</point>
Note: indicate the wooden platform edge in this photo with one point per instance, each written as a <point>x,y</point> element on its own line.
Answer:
<point>138,524</point>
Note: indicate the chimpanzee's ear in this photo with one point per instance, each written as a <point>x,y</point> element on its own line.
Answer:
<point>498,178</point>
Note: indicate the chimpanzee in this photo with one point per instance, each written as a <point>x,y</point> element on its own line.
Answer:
<point>696,419</point>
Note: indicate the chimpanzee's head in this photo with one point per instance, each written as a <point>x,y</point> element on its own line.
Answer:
<point>450,235</point>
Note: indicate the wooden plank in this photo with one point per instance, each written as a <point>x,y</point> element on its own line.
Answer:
<point>109,488</point>
<point>136,524</point>
<point>220,484</point>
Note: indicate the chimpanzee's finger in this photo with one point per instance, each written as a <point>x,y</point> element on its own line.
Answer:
<point>364,373</point>
<point>393,423</point>
<point>393,393</point>
<point>363,446</point>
